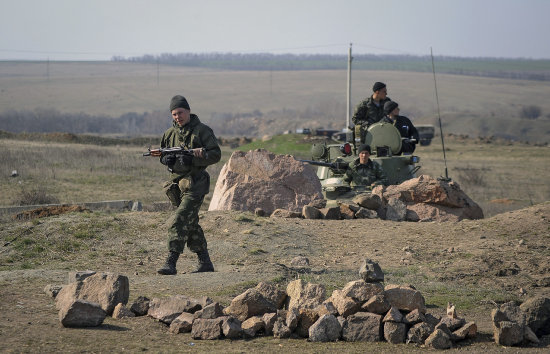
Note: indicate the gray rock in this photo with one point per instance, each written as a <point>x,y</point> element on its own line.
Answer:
<point>211,311</point>
<point>252,326</point>
<point>299,261</point>
<point>371,272</point>
<point>469,330</point>
<point>121,311</point>
<point>438,340</point>
<point>364,213</point>
<point>292,319</point>
<point>377,304</point>
<point>167,309</point>
<point>269,321</point>
<point>419,332</point>
<point>52,290</point>
<point>310,212</point>
<point>79,275</point>
<point>272,293</point>
<point>344,304</point>
<point>331,213</point>
<point>326,329</point>
<point>508,333</point>
<point>326,308</point>
<point>362,291</point>
<point>404,298</point>
<point>368,201</point>
<point>259,212</point>
<point>318,203</point>
<point>453,323</point>
<point>414,317</point>
<point>306,318</point>
<point>106,289</point>
<point>304,295</point>
<point>231,327</point>
<point>396,210</point>
<point>530,336</point>
<point>283,213</point>
<point>537,314</point>
<point>81,313</point>
<point>248,304</point>
<point>346,211</point>
<point>183,323</point>
<point>207,328</point>
<point>362,326</point>
<point>140,306</point>
<point>394,332</point>
<point>280,330</point>
<point>393,315</point>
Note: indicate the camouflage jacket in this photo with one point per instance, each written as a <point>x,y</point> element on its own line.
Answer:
<point>369,112</point>
<point>359,174</point>
<point>193,135</point>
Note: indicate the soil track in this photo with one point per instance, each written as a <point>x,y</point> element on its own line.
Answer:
<point>473,264</point>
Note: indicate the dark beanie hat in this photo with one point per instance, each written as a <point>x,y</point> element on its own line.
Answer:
<point>389,107</point>
<point>179,102</point>
<point>378,86</point>
<point>364,147</point>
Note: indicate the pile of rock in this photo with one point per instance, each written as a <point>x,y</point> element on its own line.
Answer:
<point>516,325</point>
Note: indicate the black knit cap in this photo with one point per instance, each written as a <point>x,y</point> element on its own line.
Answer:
<point>389,107</point>
<point>378,86</point>
<point>179,102</point>
<point>364,147</point>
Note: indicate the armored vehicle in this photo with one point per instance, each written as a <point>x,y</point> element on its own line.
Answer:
<point>332,160</point>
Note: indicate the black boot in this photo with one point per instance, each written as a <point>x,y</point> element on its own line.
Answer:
<point>205,265</point>
<point>169,267</point>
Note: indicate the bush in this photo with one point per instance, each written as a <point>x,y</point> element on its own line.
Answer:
<point>35,197</point>
<point>530,112</point>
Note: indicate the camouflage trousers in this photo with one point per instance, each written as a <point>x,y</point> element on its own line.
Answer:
<point>185,228</point>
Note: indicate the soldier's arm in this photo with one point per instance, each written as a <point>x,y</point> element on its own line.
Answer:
<point>360,113</point>
<point>213,151</point>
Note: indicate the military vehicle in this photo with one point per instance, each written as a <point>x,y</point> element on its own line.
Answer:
<point>332,160</point>
<point>426,133</point>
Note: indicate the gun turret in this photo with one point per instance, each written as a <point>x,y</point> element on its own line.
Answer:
<point>340,166</point>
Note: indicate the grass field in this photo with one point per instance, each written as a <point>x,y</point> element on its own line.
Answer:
<point>287,99</point>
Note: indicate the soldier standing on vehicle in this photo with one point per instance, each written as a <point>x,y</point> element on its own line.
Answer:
<point>363,172</point>
<point>371,109</point>
<point>404,125</point>
<point>189,183</point>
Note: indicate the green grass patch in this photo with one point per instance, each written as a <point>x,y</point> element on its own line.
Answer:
<point>463,296</point>
<point>292,144</point>
<point>243,218</point>
<point>257,251</point>
<point>236,289</point>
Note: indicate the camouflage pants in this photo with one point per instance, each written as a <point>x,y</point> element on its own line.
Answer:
<point>185,228</point>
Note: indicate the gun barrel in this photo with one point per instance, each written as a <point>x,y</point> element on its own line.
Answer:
<point>333,165</point>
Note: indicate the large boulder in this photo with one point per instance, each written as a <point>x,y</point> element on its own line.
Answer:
<point>404,298</point>
<point>363,326</point>
<point>325,329</point>
<point>105,289</point>
<point>537,313</point>
<point>261,179</point>
<point>430,199</point>
<point>81,313</point>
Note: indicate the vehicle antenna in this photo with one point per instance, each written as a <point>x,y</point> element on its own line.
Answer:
<point>439,116</point>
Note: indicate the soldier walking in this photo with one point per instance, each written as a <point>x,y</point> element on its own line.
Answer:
<point>189,183</point>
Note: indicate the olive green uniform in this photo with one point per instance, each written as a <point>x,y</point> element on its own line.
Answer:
<point>363,175</point>
<point>193,182</point>
<point>367,113</point>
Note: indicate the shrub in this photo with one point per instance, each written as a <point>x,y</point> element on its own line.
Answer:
<point>35,197</point>
<point>530,112</point>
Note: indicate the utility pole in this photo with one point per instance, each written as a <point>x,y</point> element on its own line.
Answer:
<point>348,106</point>
<point>158,71</point>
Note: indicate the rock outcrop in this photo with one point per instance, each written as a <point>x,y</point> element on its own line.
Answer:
<point>261,179</point>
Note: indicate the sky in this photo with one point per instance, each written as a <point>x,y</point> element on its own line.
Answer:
<point>101,29</point>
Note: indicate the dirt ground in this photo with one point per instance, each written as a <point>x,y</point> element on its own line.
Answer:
<point>474,264</point>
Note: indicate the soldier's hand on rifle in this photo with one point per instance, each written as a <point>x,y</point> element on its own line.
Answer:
<point>168,159</point>
<point>199,152</point>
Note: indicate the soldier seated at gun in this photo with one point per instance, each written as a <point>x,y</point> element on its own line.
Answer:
<point>365,173</point>
<point>409,134</point>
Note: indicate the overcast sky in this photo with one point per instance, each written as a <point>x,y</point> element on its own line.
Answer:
<point>101,29</point>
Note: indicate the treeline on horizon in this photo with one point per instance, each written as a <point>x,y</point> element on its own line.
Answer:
<point>525,69</point>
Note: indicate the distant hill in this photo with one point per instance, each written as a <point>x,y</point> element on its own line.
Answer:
<point>524,69</point>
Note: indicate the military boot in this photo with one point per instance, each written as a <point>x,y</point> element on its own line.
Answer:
<point>205,265</point>
<point>169,267</point>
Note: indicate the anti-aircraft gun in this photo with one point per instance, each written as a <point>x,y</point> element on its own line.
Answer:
<point>332,160</point>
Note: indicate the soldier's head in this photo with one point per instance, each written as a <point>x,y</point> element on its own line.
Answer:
<point>380,91</point>
<point>181,112</point>
<point>364,153</point>
<point>391,109</point>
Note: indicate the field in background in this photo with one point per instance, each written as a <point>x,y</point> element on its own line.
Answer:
<point>498,176</point>
<point>269,102</point>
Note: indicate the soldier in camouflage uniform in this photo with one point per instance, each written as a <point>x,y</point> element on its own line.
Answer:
<point>189,183</point>
<point>370,110</point>
<point>363,172</point>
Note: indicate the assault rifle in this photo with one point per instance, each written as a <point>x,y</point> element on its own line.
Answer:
<point>336,166</point>
<point>177,151</point>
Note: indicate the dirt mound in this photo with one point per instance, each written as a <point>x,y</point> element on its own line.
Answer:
<point>49,211</point>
